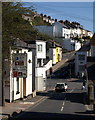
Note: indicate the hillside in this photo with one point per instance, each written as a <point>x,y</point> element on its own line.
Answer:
<point>38,20</point>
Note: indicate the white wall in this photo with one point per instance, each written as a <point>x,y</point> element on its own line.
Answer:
<point>66,32</point>
<point>57,29</point>
<point>39,79</point>
<point>45,29</point>
<point>52,55</point>
<point>16,96</point>
<point>48,65</point>
<point>41,55</point>
<point>77,46</point>
<point>29,73</point>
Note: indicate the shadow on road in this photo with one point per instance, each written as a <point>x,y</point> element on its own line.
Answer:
<point>72,97</point>
<point>50,116</point>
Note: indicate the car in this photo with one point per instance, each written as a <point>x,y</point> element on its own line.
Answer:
<point>61,87</point>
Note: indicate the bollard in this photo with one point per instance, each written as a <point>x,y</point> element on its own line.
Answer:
<point>94,107</point>
<point>90,94</point>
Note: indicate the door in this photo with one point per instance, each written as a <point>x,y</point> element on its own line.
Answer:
<point>24,87</point>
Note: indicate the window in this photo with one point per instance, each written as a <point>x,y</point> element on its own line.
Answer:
<point>38,62</point>
<point>81,67</point>
<point>40,48</point>
<point>81,57</point>
<point>17,86</point>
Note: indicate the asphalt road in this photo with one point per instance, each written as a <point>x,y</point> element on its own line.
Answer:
<point>63,105</point>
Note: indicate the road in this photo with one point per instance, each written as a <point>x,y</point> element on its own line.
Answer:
<point>65,105</point>
<point>70,104</point>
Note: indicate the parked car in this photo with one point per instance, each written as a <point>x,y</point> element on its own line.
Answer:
<point>61,87</point>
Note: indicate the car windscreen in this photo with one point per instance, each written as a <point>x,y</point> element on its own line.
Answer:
<point>59,85</point>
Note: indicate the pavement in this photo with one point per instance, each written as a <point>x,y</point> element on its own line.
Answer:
<point>16,107</point>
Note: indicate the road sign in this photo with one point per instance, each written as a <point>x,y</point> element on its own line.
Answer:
<point>20,65</point>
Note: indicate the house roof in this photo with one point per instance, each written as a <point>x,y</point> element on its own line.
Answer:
<point>92,41</point>
<point>65,26</point>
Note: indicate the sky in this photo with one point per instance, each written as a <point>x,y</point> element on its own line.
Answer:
<point>81,12</point>
<point>58,0</point>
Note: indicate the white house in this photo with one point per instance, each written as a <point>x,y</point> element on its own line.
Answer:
<point>40,68</point>
<point>81,59</point>
<point>19,79</point>
<point>52,54</point>
<point>65,32</point>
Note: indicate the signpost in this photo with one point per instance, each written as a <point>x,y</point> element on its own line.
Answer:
<point>20,65</point>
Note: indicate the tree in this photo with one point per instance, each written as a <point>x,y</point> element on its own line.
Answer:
<point>14,26</point>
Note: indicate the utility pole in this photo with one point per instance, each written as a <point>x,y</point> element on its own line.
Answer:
<point>1,81</point>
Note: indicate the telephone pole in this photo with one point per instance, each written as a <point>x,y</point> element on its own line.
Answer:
<point>1,81</point>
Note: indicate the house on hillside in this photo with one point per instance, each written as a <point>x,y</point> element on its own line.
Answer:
<point>63,31</point>
<point>47,19</point>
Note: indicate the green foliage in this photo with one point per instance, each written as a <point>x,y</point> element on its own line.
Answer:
<point>14,26</point>
<point>44,37</point>
<point>38,20</point>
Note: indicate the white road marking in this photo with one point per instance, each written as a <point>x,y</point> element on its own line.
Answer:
<point>62,108</point>
<point>71,90</point>
<point>64,101</point>
<point>63,104</point>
